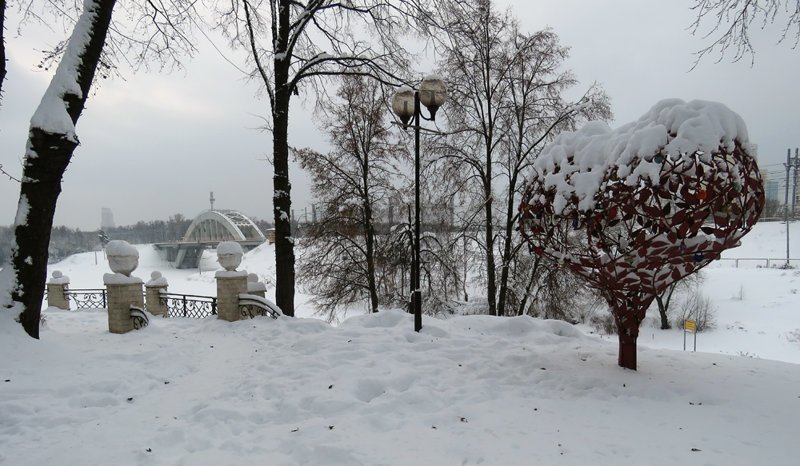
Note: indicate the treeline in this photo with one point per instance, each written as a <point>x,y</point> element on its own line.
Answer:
<point>65,241</point>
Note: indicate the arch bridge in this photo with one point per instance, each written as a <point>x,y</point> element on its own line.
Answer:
<point>206,231</point>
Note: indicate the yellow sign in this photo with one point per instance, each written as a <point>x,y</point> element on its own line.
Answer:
<point>689,326</point>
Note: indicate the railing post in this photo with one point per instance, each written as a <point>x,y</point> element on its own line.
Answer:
<point>183,302</point>
<point>154,287</point>
<point>57,291</point>
<point>105,299</point>
<point>255,287</point>
<point>124,290</point>
<point>230,282</point>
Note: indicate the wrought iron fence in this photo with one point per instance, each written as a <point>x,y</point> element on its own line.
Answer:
<point>88,298</point>
<point>187,305</point>
<point>251,306</point>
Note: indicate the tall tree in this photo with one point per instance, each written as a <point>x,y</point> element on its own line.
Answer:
<point>732,22</point>
<point>507,102</point>
<point>51,142</point>
<point>293,43</point>
<point>2,45</point>
<point>351,183</point>
<point>154,29</point>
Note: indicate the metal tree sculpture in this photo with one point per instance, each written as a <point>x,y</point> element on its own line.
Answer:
<point>636,209</point>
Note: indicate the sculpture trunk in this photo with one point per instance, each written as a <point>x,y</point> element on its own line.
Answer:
<point>629,310</point>
<point>628,334</point>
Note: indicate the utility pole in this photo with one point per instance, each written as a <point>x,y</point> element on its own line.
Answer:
<point>211,199</point>
<point>794,185</point>
<point>788,166</point>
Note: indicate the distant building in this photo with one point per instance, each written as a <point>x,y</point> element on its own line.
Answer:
<point>106,218</point>
<point>772,189</point>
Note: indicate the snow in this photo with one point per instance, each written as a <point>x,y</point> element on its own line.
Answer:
<point>157,280</point>
<point>51,115</point>
<point>253,284</point>
<point>120,279</point>
<point>22,211</point>
<point>121,248</point>
<point>230,274</point>
<point>467,390</point>
<point>229,247</point>
<point>59,278</point>
<point>672,128</point>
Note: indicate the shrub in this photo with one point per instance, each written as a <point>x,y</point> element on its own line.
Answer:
<point>698,307</point>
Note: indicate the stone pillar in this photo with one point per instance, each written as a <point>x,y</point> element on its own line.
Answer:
<point>124,290</point>
<point>229,286</point>
<point>121,296</point>
<point>154,287</point>
<point>230,282</point>
<point>256,287</point>
<point>57,291</point>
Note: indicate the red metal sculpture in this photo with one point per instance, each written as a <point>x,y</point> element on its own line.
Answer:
<point>636,209</point>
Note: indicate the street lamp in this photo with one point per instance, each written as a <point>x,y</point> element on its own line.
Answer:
<point>406,104</point>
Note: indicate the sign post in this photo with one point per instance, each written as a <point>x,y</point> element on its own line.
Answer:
<point>689,326</point>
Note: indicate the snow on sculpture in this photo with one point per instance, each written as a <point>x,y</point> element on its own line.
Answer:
<point>122,257</point>
<point>635,209</point>
<point>229,255</point>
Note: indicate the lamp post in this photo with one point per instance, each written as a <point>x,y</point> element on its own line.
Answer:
<point>406,104</point>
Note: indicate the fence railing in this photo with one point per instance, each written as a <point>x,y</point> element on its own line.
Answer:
<point>187,305</point>
<point>178,305</point>
<point>88,298</point>
<point>251,306</point>
<point>761,261</point>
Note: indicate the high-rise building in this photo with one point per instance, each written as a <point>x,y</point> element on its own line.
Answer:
<point>106,218</point>
<point>772,190</point>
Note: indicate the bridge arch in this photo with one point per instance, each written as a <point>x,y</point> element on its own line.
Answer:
<point>222,225</point>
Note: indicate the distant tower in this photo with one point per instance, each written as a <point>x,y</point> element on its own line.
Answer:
<point>211,199</point>
<point>106,218</point>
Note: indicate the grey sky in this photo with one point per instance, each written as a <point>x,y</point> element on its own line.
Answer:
<point>155,144</point>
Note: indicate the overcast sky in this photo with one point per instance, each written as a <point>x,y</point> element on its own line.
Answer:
<point>153,145</point>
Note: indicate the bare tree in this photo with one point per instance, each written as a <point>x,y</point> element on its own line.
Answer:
<point>507,103</point>
<point>51,142</point>
<point>350,182</point>
<point>52,137</point>
<point>294,46</point>
<point>688,284</point>
<point>2,46</point>
<point>733,20</point>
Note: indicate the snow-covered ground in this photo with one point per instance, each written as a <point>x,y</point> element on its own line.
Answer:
<point>468,390</point>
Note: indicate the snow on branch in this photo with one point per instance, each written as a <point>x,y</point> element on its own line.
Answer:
<point>576,162</point>
<point>52,115</point>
